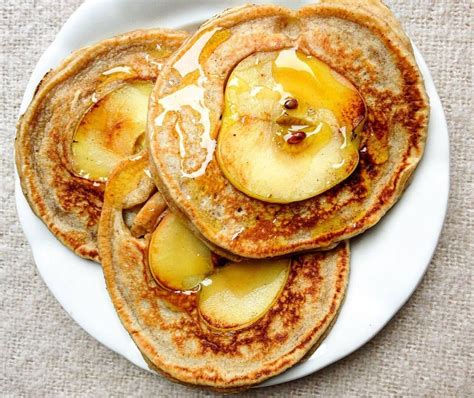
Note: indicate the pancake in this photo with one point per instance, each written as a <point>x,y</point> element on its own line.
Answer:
<point>167,326</point>
<point>361,41</point>
<point>54,143</point>
<point>380,11</point>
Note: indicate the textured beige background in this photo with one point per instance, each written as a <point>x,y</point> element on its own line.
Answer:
<point>426,350</point>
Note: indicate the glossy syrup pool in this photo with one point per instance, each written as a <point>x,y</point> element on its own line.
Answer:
<point>279,153</point>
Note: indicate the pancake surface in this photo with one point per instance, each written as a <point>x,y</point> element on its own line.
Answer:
<point>167,327</point>
<point>363,42</point>
<point>86,105</point>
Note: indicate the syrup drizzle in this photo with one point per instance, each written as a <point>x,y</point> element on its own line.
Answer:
<point>288,119</point>
<point>189,66</point>
<point>118,69</point>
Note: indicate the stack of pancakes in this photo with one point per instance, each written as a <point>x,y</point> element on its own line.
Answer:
<point>217,176</point>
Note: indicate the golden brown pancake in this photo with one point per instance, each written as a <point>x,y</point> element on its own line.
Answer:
<point>379,10</point>
<point>69,202</point>
<point>363,42</point>
<point>166,325</point>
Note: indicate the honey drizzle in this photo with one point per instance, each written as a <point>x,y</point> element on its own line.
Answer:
<point>292,66</point>
<point>192,94</point>
<point>316,127</point>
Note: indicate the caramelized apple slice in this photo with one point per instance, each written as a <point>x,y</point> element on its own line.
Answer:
<point>147,216</point>
<point>112,129</point>
<point>238,294</point>
<point>178,260</point>
<point>289,128</point>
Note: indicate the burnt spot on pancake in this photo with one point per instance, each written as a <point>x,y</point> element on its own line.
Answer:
<point>46,76</point>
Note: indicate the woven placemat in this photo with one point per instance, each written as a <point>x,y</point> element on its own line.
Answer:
<point>426,350</point>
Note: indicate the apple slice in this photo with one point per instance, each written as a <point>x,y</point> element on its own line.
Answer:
<point>178,260</point>
<point>239,294</point>
<point>112,129</point>
<point>289,128</point>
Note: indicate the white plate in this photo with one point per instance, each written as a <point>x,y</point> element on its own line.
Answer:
<point>388,262</point>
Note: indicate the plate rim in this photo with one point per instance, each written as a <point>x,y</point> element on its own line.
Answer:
<point>302,368</point>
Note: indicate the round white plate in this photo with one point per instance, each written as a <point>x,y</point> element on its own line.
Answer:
<point>388,261</point>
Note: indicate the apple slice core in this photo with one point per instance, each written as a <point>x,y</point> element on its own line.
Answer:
<point>289,128</point>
